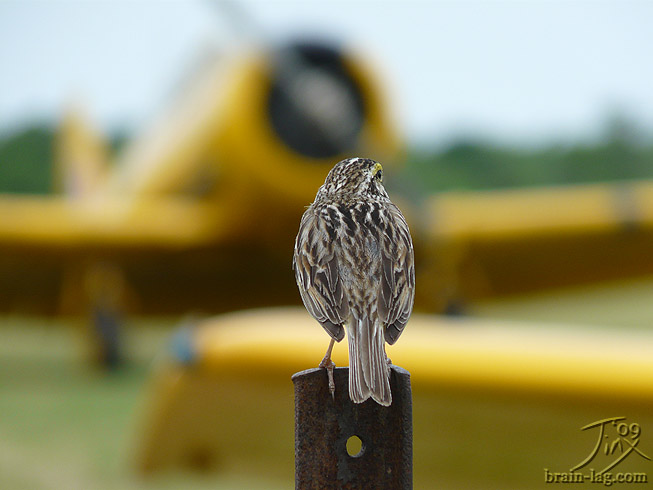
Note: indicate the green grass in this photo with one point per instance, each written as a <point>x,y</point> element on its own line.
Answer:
<point>627,304</point>
<point>65,425</point>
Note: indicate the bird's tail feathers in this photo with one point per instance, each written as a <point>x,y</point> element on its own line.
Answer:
<point>369,374</point>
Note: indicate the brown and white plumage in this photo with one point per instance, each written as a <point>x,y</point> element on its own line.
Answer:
<point>354,267</point>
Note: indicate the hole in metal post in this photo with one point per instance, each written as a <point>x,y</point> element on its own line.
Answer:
<point>355,447</point>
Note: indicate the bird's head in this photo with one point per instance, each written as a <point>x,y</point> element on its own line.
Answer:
<point>355,177</point>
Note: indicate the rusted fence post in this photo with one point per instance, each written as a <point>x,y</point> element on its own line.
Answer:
<point>324,425</point>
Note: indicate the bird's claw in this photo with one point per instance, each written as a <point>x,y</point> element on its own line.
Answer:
<point>329,365</point>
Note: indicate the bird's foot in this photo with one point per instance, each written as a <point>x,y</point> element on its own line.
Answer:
<point>329,365</point>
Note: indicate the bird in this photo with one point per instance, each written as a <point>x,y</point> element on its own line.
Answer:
<point>355,269</point>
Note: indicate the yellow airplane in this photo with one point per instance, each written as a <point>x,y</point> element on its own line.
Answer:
<point>222,399</point>
<point>199,211</point>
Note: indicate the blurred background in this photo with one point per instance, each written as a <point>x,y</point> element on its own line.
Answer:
<point>155,159</point>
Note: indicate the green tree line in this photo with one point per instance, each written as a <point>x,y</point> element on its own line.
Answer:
<point>26,162</point>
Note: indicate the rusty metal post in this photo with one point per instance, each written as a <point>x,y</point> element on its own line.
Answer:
<point>323,425</point>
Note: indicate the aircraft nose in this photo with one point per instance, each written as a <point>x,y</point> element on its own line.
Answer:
<point>315,105</point>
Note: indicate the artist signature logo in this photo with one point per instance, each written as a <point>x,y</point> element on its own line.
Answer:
<point>616,440</point>
<point>622,446</point>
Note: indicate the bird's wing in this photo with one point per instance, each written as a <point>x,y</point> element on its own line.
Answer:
<point>316,271</point>
<point>398,276</point>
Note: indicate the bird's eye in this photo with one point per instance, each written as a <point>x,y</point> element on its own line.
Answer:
<point>377,172</point>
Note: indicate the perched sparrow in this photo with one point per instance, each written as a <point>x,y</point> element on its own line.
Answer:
<point>354,267</point>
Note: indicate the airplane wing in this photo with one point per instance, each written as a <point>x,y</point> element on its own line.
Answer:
<point>107,222</point>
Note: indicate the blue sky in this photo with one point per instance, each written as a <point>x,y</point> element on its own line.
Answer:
<point>522,72</point>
